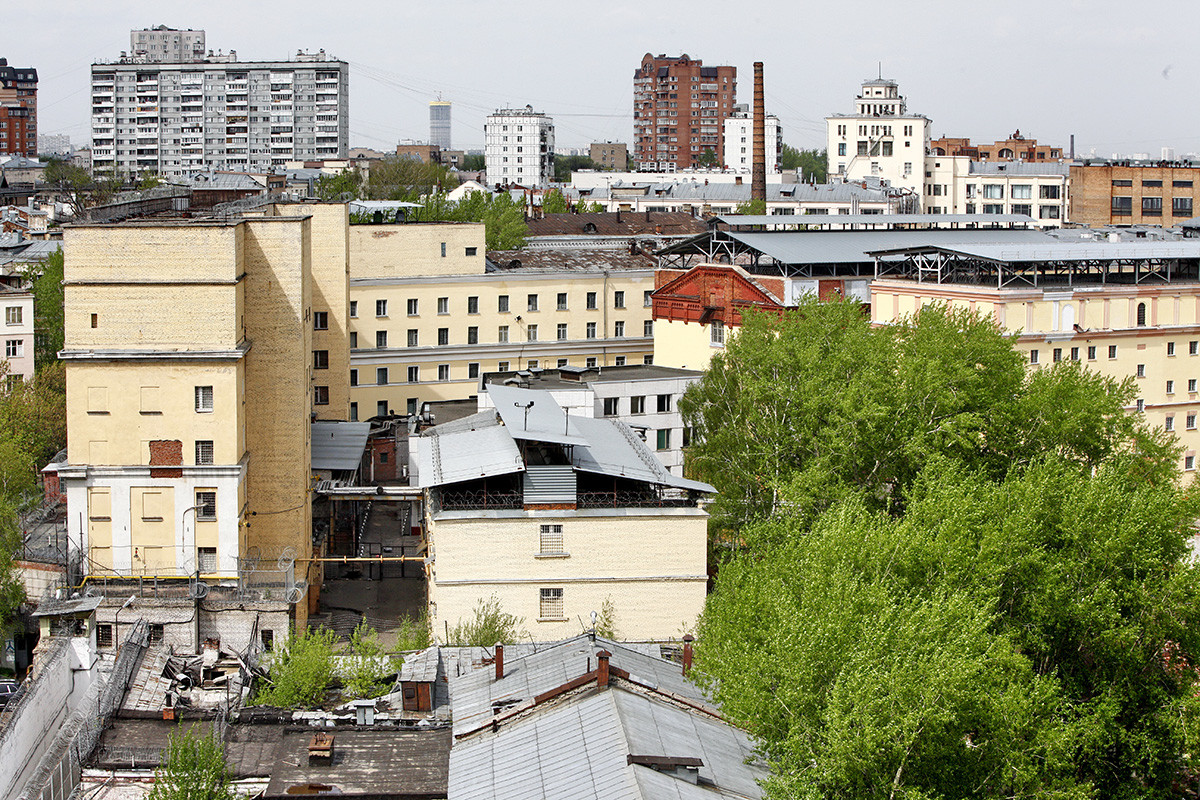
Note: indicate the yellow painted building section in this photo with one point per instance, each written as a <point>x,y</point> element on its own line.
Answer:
<point>330,295</point>
<point>416,250</point>
<point>686,345</point>
<point>650,562</point>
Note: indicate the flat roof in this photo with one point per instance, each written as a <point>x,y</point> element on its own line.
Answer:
<point>837,247</point>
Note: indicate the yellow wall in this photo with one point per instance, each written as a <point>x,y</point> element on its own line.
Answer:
<point>686,345</point>
<point>330,293</point>
<point>408,250</point>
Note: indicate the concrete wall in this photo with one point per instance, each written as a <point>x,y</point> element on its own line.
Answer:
<point>409,250</point>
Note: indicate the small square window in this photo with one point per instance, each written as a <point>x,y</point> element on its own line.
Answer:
<point>637,404</point>
<point>562,301</point>
<point>412,337</point>
<point>473,335</point>
<point>443,372</point>
<point>470,251</point>
<point>531,364</point>
<point>501,366</point>
<point>1112,351</point>
<point>473,370</point>
<point>414,374</point>
<point>562,362</point>
<point>1189,462</point>
<point>472,305</point>
<point>443,305</point>
<point>618,329</point>
<point>206,506</point>
<point>1091,352</point>
<point>443,336</point>
<point>381,308</point>
<point>204,399</point>
<point>412,307</point>
<point>1169,424</point>
<point>610,406</point>
<point>532,302</point>
<point>663,439</point>
<point>381,376</point>
<point>502,304</point>
<point>648,328</point>
<point>664,403</point>
<point>551,539</point>
<point>320,320</point>
<point>591,362</point>
<point>320,395</point>
<point>551,605</point>
<point>562,331</point>
<point>156,633</point>
<point>591,330</point>
<point>619,361</point>
<point>1033,356</point>
<point>104,635</point>
<point>1074,353</point>
<point>1056,354</point>
<point>531,333</point>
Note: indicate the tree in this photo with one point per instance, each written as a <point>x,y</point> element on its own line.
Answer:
<point>473,163</point>
<point>194,769</point>
<point>366,664</point>
<point>45,280</point>
<point>32,428</point>
<point>553,202</point>
<point>565,165</point>
<point>79,188</point>
<point>395,178</point>
<point>812,164</point>
<point>708,158</point>
<point>594,207</point>
<point>488,624</point>
<point>343,186</point>
<point>299,671</point>
<point>12,590</point>
<point>756,207</point>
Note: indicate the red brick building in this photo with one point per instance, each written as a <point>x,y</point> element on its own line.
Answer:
<point>679,111</point>
<point>18,110</point>
<point>1014,148</point>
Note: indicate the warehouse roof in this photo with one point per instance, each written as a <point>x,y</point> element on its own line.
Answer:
<point>338,446</point>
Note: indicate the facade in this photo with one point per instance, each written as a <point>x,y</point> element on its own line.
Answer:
<point>738,153</point>
<point>958,185</point>
<point>555,515</point>
<point>190,433</point>
<point>439,124</point>
<point>519,147</point>
<point>679,109</point>
<point>18,110</point>
<point>1014,148</point>
<point>1134,192</point>
<point>609,156</point>
<point>880,139</point>
<point>218,114</point>
<point>17,333</point>
<point>707,199</point>
<point>161,44</point>
<point>430,312</point>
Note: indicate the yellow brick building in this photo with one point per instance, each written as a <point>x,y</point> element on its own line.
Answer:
<point>428,315</point>
<point>192,382</point>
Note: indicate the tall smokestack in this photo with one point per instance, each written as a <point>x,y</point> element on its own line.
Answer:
<point>758,178</point>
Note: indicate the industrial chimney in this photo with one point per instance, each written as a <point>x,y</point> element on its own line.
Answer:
<point>758,177</point>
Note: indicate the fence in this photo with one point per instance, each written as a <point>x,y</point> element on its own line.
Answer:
<point>61,768</point>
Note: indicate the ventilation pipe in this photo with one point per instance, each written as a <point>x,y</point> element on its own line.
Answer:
<point>687,654</point>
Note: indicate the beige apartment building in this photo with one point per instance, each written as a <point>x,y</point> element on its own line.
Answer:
<point>431,311</point>
<point>193,377</point>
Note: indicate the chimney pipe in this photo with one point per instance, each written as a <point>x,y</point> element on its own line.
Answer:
<point>687,654</point>
<point>602,668</point>
<point>758,180</point>
<point>499,660</point>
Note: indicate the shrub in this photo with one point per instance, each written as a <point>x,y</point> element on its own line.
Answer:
<point>489,624</point>
<point>300,670</point>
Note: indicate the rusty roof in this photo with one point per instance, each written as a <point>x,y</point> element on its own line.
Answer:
<point>616,223</point>
<point>567,260</point>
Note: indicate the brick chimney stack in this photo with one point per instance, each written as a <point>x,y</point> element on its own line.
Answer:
<point>499,660</point>
<point>687,654</point>
<point>758,176</point>
<point>602,668</point>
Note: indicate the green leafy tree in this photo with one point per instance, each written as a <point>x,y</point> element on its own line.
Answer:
<point>365,663</point>
<point>80,189</point>
<point>32,428</point>
<point>489,624</point>
<point>408,179</point>
<point>594,207</point>
<point>345,185</point>
<point>606,619</point>
<point>12,590</point>
<point>45,280</point>
<point>709,158</point>
<point>194,768</point>
<point>565,165</point>
<point>299,671</point>
<point>413,633</point>
<point>473,163</point>
<point>148,180</point>
<point>812,164</point>
<point>756,207</point>
<point>553,202</point>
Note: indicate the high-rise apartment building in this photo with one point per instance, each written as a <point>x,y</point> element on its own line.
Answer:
<point>519,147</point>
<point>679,109</point>
<point>880,139</point>
<point>167,45</point>
<point>439,124</point>
<point>218,114</point>
<point>18,110</point>
<point>739,142</point>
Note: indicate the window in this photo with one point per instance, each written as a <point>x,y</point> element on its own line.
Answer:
<point>472,305</point>
<point>13,315</point>
<point>648,359</point>
<point>320,395</point>
<point>1141,370</point>
<point>353,339</point>
<point>531,302</point>
<point>1023,208</point>
<point>637,404</point>
<point>664,402</point>
<point>562,301</point>
<point>1022,191</point>
<point>155,633</point>
<point>1074,353</point>
<point>551,540</point>
<point>993,208</point>
<point>1141,314</point>
<point>1191,421</point>
<point>618,299</point>
<point>1182,184</point>
<point>590,362</point>
<point>443,336</point>
<point>104,635</point>
<point>14,348</point>
<point>381,338</point>
<point>1049,192</point>
<point>591,330</point>
<point>473,335</point>
<point>1091,352</point>
<point>204,452</point>
<point>1056,354</point>
<point>1170,387</point>
<point>381,408</point>
<point>353,308</point>
<point>1122,183</point>
<point>562,330</point>
<point>470,251</point>
<point>610,406</point>
<point>531,363</point>
<point>381,376</point>
<point>1170,348</point>
<point>619,329</point>
<point>531,333</point>
<point>841,148</point>
<point>412,337</point>
<point>410,406</point>
<point>591,301</point>
<point>563,362</point>
<point>502,366</point>
<point>1151,206</point>
<point>1169,423</point>
<point>1193,347</point>
<point>1189,462</point>
<point>619,361</point>
<point>443,249</point>
<point>443,372</point>
<point>473,370</point>
<point>443,305</point>
<point>1192,385</point>
<point>1141,405</point>
<point>320,320</point>
<point>551,605</point>
<point>1152,184</point>
<point>1181,206</point>
<point>412,307</point>
<point>1033,356</point>
<point>993,191</point>
<point>647,300</point>
<point>381,308</point>
<point>414,374</point>
<point>204,399</point>
<point>206,507</point>
<point>716,332</point>
<point>354,377</point>
<point>1122,206</point>
<point>320,359</point>
<point>268,640</point>
<point>1112,351</point>
<point>664,439</point>
<point>502,304</point>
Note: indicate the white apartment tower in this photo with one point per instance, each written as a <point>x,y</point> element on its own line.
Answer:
<point>439,124</point>
<point>880,139</point>
<point>519,147</point>
<point>739,142</point>
<point>218,114</point>
<point>167,45</point>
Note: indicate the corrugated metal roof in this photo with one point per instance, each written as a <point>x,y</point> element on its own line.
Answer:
<point>1020,168</point>
<point>338,445</point>
<point>533,415</point>
<point>614,449</point>
<point>582,259</point>
<point>1063,251</point>
<point>465,455</point>
<point>843,247</point>
<point>874,219</point>
<point>421,667</point>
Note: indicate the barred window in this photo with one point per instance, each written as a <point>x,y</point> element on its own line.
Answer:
<point>552,539</point>
<point>551,604</point>
<point>206,506</point>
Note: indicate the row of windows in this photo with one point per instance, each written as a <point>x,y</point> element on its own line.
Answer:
<point>1154,184</point>
<point>413,372</point>
<point>637,404</point>
<point>532,303</point>
<point>413,336</point>
<point>1152,206</point>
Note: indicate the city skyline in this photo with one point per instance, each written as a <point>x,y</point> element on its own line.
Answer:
<point>1049,71</point>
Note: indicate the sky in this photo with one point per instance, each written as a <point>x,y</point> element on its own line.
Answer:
<point>1119,76</point>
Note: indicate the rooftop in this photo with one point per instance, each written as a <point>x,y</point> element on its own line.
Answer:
<point>567,260</point>
<point>617,224</point>
<point>583,377</point>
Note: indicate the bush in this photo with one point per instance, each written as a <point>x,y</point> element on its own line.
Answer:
<point>193,769</point>
<point>366,664</point>
<point>299,671</point>
<point>488,625</point>
<point>606,620</point>
<point>413,634</point>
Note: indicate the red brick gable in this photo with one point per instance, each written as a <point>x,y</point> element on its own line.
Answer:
<point>713,291</point>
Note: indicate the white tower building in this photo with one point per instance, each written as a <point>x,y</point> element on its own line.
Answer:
<point>880,139</point>
<point>519,147</point>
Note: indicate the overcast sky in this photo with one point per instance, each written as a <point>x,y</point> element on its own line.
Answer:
<point>1121,76</point>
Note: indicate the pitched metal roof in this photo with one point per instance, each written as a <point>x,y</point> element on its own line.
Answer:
<point>582,259</point>
<point>614,449</point>
<point>465,455</point>
<point>338,446</point>
<point>892,220</point>
<point>1057,251</point>
<point>840,247</point>
<point>617,224</point>
<point>533,415</point>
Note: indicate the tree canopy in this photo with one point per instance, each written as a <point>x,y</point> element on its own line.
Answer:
<point>564,165</point>
<point>502,216</point>
<point>948,577</point>
<point>193,768</point>
<point>45,281</point>
<point>813,164</point>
